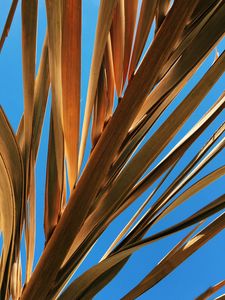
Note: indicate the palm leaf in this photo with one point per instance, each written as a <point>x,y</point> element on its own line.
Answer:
<point>140,127</point>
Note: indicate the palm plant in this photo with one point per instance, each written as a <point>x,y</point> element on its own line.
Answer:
<point>132,117</point>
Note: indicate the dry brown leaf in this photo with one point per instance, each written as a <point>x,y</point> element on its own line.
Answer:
<point>56,150</point>
<point>16,279</point>
<point>133,140</point>
<point>100,107</point>
<point>105,16</point>
<point>202,8</point>
<point>89,283</point>
<point>108,58</point>
<point>71,77</point>
<point>106,210</point>
<point>168,265</point>
<point>41,89</point>
<point>211,290</point>
<point>118,44</point>
<point>13,164</point>
<point>144,25</point>
<point>131,7</point>
<point>101,159</point>
<point>161,11</point>
<point>133,219</point>
<point>90,244</point>
<point>11,200</point>
<point>42,83</point>
<point>134,93</point>
<point>186,32</point>
<point>8,220</point>
<point>189,34</point>
<point>198,49</point>
<point>184,109</point>
<point>12,205</point>
<point>53,191</point>
<point>166,197</point>
<point>29,30</point>
<point>140,162</point>
<point>195,188</point>
<point>13,161</point>
<point>30,223</point>
<point>149,219</point>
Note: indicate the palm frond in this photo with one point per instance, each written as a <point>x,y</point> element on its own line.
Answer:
<point>139,125</point>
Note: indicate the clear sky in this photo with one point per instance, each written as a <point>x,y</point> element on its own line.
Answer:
<point>206,266</point>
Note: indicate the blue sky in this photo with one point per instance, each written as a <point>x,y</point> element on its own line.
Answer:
<point>206,266</point>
